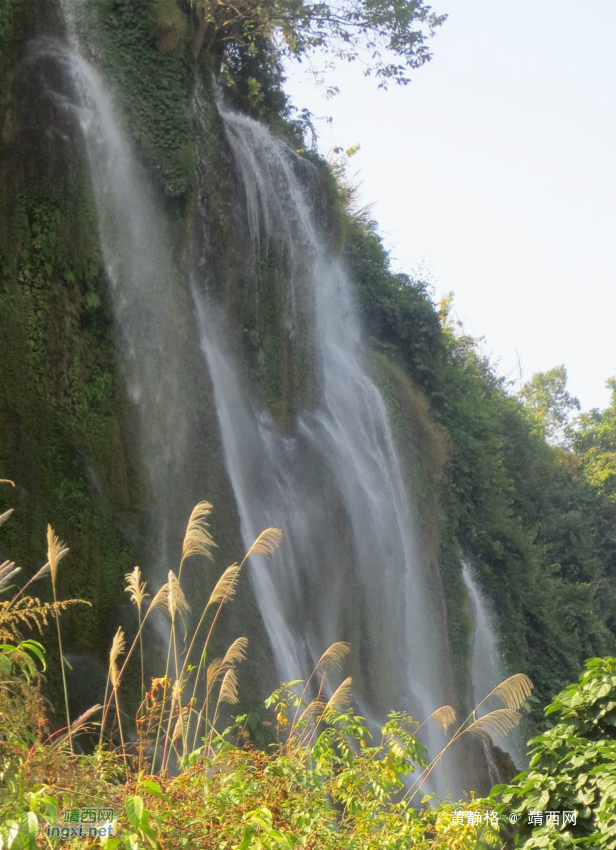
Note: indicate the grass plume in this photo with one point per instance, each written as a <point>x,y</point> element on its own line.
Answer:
<point>496,723</point>
<point>198,540</point>
<point>136,590</point>
<point>5,516</point>
<point>56,550</point>
<point>135,587</point>
<point>341,697</point>
<point>117,649</point>
<point>228,689</point>
<point>514,691</point>
<point>7,571</point>
<point>333,657</point>
<point>266,543</point>
<point>444,717</point>
<point>177,603</point>
<point>226,586</point>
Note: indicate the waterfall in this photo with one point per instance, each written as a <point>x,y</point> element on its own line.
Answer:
<point>145,287</point>
<point>488,670</point>
<point>349,566</point>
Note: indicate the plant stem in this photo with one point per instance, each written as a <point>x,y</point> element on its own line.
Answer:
<point>68,716</point>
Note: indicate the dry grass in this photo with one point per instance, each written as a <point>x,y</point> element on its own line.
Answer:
<point>266,543</point>
<point>117,649</point>
<point>333,657</point>
<point>341,697</point>
<point>5,516</point>
<point>165,710</point>
<point>135,587</point>
<point>226,586</point>
<point>198,540</point>
<point>496,723</point>
<point>56,550</point>
<point>444,717</point>
<point>514,691</point>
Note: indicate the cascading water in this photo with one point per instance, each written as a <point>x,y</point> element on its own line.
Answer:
<point>488,670</point>
<point>145,288</point>
<point>349,567</point>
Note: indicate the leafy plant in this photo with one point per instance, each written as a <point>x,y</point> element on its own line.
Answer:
<point>572,768</point>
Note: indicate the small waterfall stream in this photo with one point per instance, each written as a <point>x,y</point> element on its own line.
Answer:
<point>488,670</point>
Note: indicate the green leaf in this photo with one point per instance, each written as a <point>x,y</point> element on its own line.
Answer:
<point>134,811</point>
<point>153,788</point>
<point>35,648</point>
<point>32,824</point>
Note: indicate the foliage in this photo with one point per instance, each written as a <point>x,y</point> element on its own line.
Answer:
<point>572,768</point>
<point>541,538</point>
<point>594,442</point>
<point>546,398</point>
<point>143,48</point>
<point>388,36</point>
<point>324,783</point>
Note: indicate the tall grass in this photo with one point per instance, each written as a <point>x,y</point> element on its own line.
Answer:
<point>178,716</point>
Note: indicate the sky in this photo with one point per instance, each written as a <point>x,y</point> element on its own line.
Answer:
<point>493,174</point>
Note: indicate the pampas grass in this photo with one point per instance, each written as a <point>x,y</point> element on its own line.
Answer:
<point>198,540</point>
<point>136,591</point>
<point>56,551</point>
<point>135,587</point>
<point>228,689</point>
<point>173,717</point>
<point>225,587</point>
<point>334,656</point>
<point>176,601</point>
<point>114,675</point>
<point>444,717</point>
<point>5,516</point>
<point>7,571</point>
<point>266,543</point>
<point>513,692</point>
<point>117,648</point>
<point>495,724</point>
<point>341,697</point>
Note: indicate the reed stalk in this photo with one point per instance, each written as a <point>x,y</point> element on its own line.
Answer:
<point>55,552</point>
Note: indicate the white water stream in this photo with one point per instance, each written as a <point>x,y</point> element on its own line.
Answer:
<point>489,670</point>
<point>350,565</point>
<point>332,482</point>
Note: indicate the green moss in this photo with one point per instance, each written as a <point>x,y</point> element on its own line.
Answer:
<point>145,53</point>
<point>62,402</point>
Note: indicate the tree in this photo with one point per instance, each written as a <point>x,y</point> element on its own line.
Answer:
<point>545,396</point>
<point>389,37</point>
<point>594,440</point>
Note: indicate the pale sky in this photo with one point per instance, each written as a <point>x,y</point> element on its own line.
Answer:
<point>495,170</point>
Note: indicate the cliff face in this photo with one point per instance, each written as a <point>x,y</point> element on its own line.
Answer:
<point>63,412</point>
<point>70,433</point>
<point>73,429</point>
